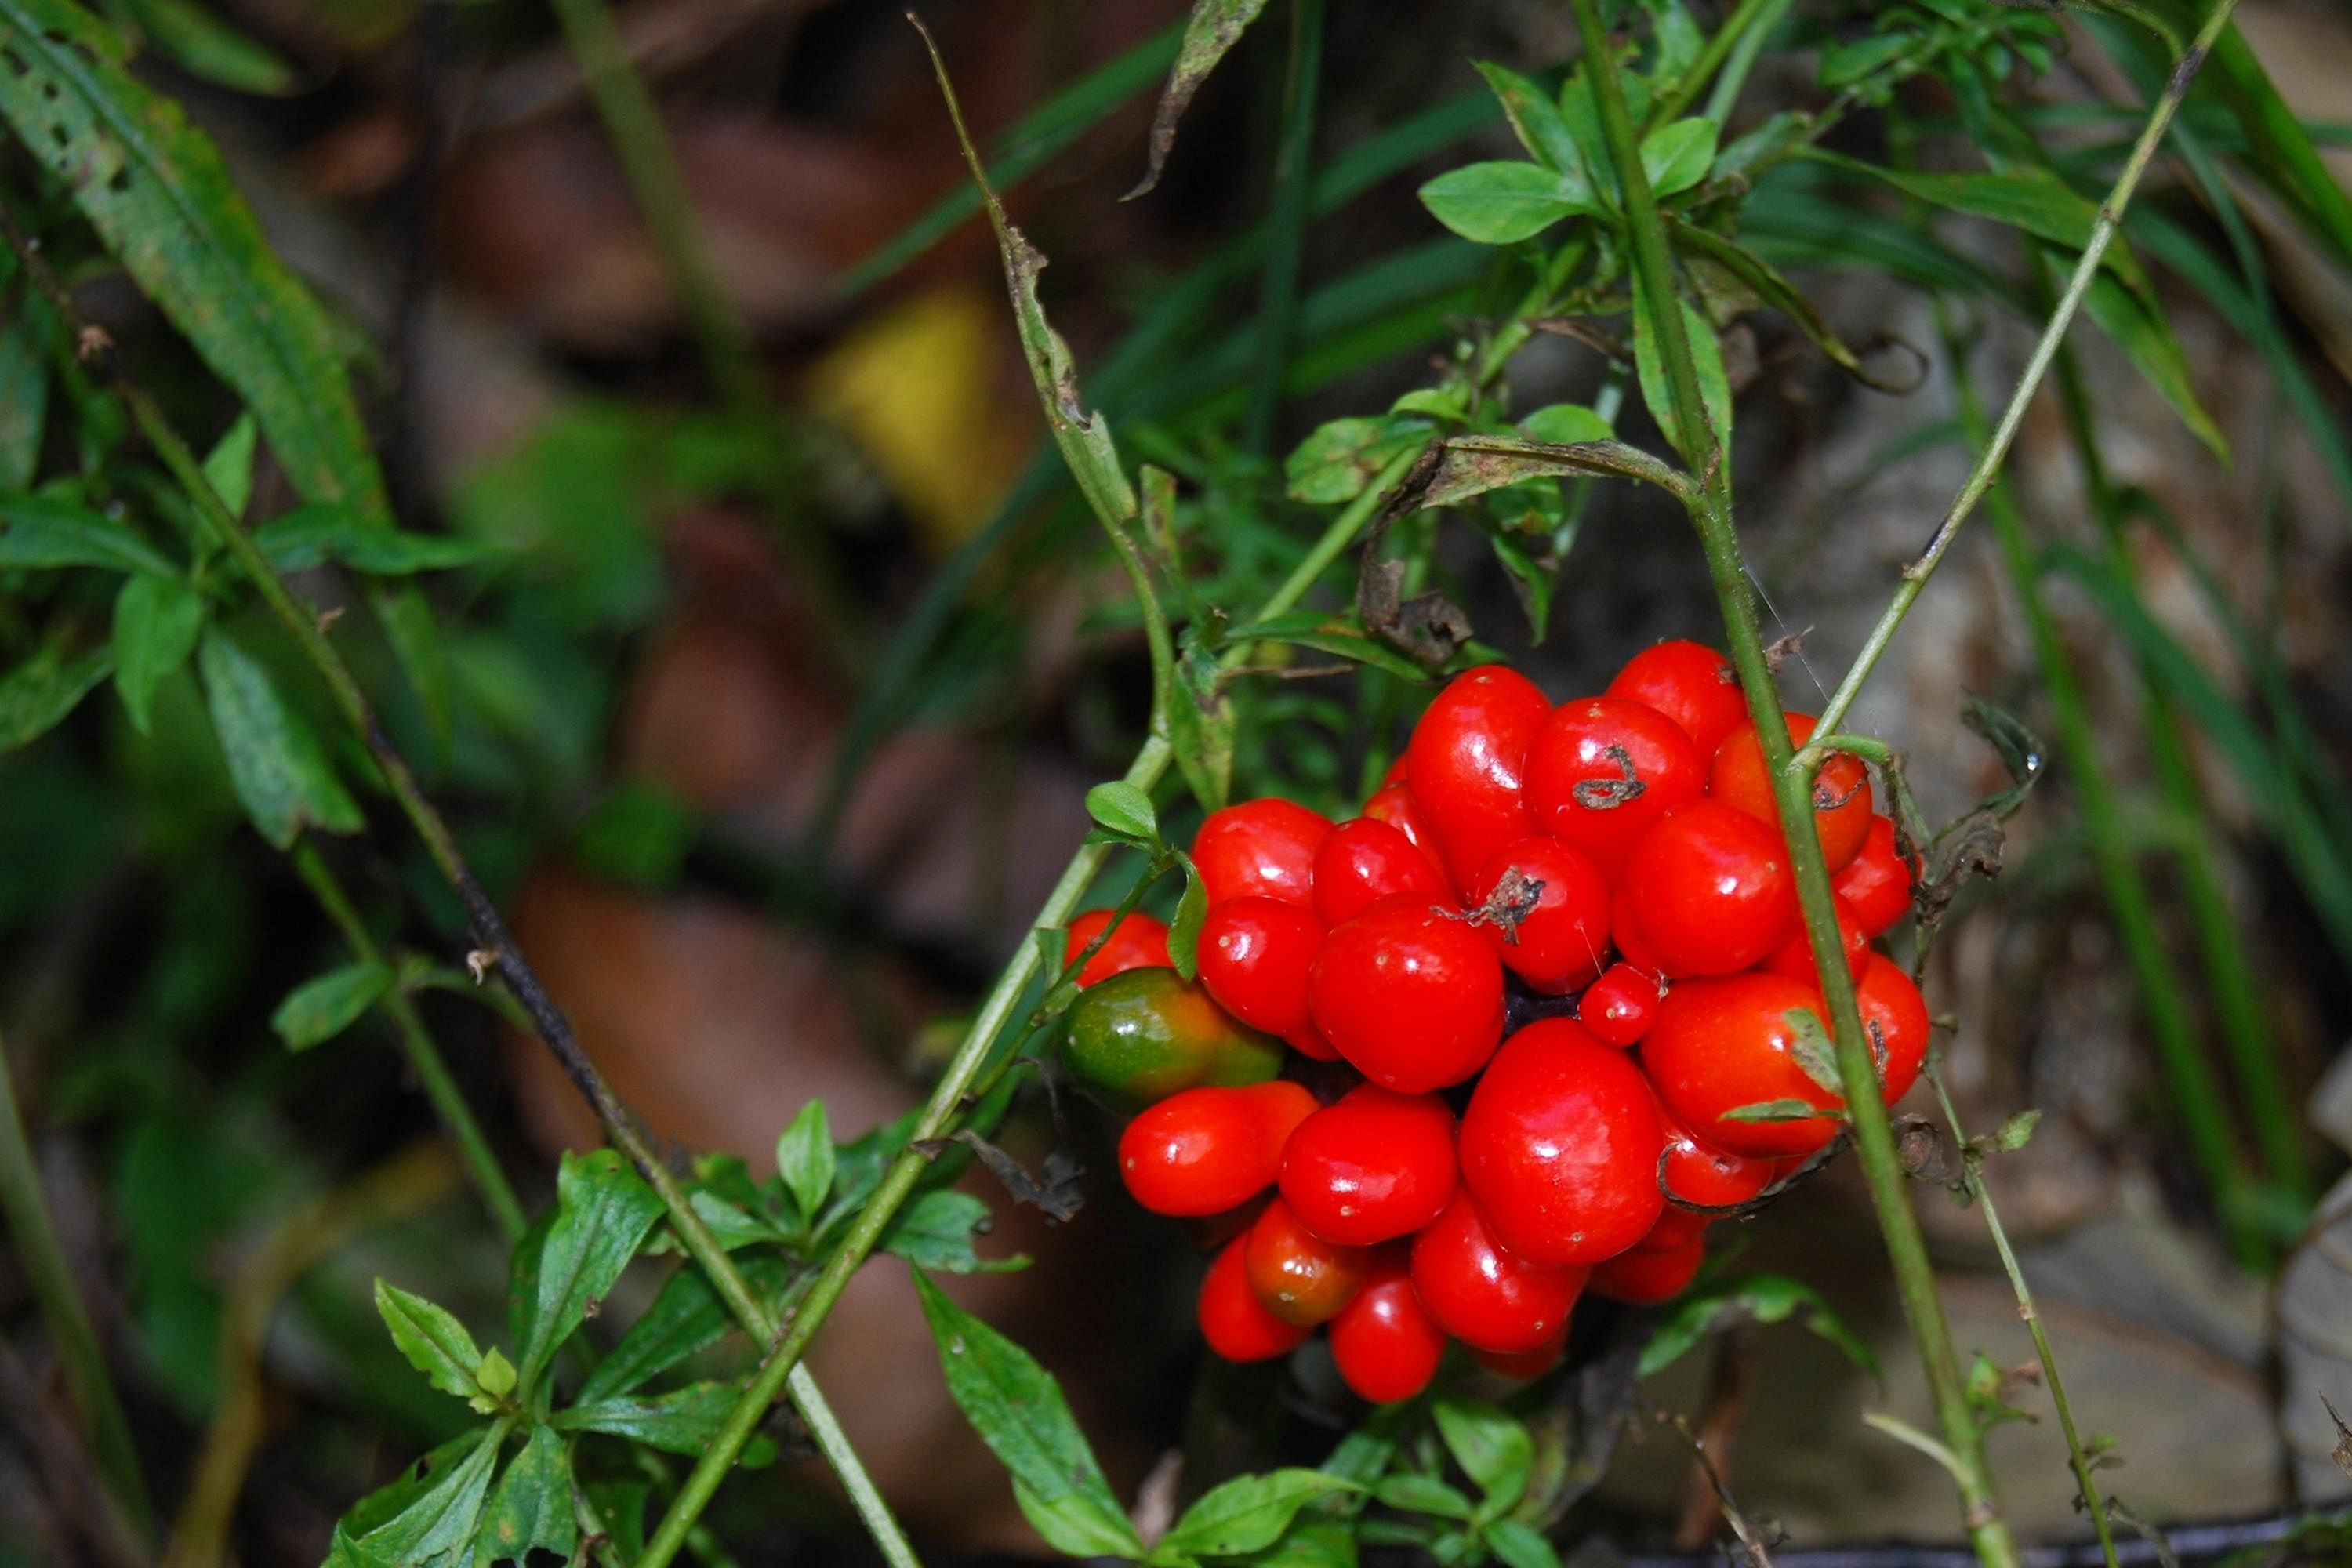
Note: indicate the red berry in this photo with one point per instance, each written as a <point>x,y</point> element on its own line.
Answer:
<point>1604,771</point>
<point>1674,1228</point>
<point>1708,891</point>
<point>1719,1045</point>
<point>1636,949</point>
<point>1691,684</point>
<point>1876,881</point>
<point>1140,943</point>
<point>1616,1009</point>
<point>1207,1149</point>
<point>1260,848</point>
<point>1794,957</point>
<point>1467,761</point>
<point>1521,1365</point>
<point>1235,1321</point>
<point>1558,940</point>
<point>1697,1171</point>
<point>1561,1146</point>
<point>1255,956</point>
<point>1394,804</point>
<point>1894,1016</point>
<point>1739,777</point>
<point>1300,1277</point>
<point>1413,1000</point>
<point>1375,1165</point>
<point>1364,861</point>
<point>1481,1292</point>
<point>1386,1346</point>
<point>1644,1279</point>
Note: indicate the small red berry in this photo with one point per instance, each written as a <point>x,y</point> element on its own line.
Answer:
<point>1558,939</point>
<point>1467,761</point>
<point>1894,1016</point>
<point>1674,1228</point>
<point>1876,881</point>
<point>1140,943</point>
<point>1616,1009</point>
<point>1385,1343</point>
<point>1208,1149</point>
<point>1691,684</point>
<point>1260,848</point>
<point>1644,1278</point>
<point>1255,956</point>
<point>1708,891</point>
<point>1393,804</point>
<point>1697,1171</point>
<point>1721,1045</point>
<point>1794,957</point>
<point>1481,1292</point>
<point>1521,1365</point>
<point>1604,771</point>
<point>1412,998</point>
<point>1373,1166</point>
<point>1300,1277</point>
<point>1233,1322</point>
<point>1740,777</point>
<point>1364,861</point>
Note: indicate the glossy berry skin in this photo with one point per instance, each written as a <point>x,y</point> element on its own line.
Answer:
<point>1393,804</point>
<point>1386,1344</point>
<point>1260,848</point>
<point>1709,892</point>
<point>1696,1172</point>
<point>1364,861</point>
<point>1467,761</point>
<point>1722,1044</point>
<point>1136,1038</point>
<point>1559,942</point>
<point>1740,777</point>
<point>1634,950</point>
<point>1794,957</point>
<point>1209,1149</point>
<point>1521,1365</point>
<point>1299,1277</point>
<point>1561,1146</point>
<point>1604,771</point>
<point>1481,1292</point>
<point>1691,684</point>
<point>1370,1167</point>
<point>1140,943</point>
<point>1675,1227</point>
<point>1413,1000</point>
<point>1894,1016</point>
<point>1255,956</point>
<point>1878,881</point>
<point>1233,1322</point>
<point>1617,1009</point>
<point>1644,1278</point>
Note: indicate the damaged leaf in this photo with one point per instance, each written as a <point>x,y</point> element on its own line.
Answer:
<point>1214,27</point>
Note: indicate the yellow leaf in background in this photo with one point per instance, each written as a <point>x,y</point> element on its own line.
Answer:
<point>917,389</point>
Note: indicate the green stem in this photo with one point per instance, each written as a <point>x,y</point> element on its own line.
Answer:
<point>1294,183</point>
<point>1972,1176</point>
<point>1720,102</point>
<point>2103,232</point>
<point>1792,791</point>
<point>947,1097</point>
<point>43,1260</point>
<point>424,1058</point>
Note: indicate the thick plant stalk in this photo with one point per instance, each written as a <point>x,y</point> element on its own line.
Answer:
<point>2103,233</point>
<point>1793,792</point>
<point>43,1260</point>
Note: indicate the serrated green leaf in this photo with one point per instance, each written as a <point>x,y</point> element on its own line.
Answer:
<point>41,532</point>
<point>35,695</point>
<point>1019,1412</point>
<point>159,197</point>
<point>420,1475</point>
<point>1503,203</point>
<point>686,1318</point>
<point>1184,930</point>
<point>1124,809</point>
<point>435,1342</point>
<point>441,1522</point>
<point>682,1421</point>
<point>804,1158</point>
<point>532,1511</point>
<point>1677,156</point>
<point>604,1210</point>
<point>1535,118</point>
<point>1491,1446</point>
<point>280,772</point>
<point>326,1005</point>
<point>1214,27</point>
<point>1247,1513</point>
<point>936,1232</point>
<point>1338,459</point>
<point>156,623</point>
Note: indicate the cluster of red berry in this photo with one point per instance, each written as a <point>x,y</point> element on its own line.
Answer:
<point>1614,867</point>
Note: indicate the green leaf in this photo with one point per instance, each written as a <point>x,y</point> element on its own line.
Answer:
<point>1775,290</point>
<point>1473,465</point>
<point>441,1523</point>
<point>731,1224</point>
<point>1214,27</point>
<point>1517,1545</point>
<point>603,1212</point>
<point>228,467</point>
<point>24,394</point>
<point>682,1421</point>
<point>1338,459</point>
<point>1843,64</point>
<point>532,1511</point>
<point>1083,436</point>
<point>1677,156</point>
<point>495,1374</point>
<point>1411,1493</point>
<point>1490,1445</point>
<point>1707,355</point>
<point>313,535</point>
<point>686,1318</point>
<point>156,623</point>
<point>435,1342</point>
<point>326,1005</point>
<point>1019,1412</point>
<point>1247,1513</point>
<point>203,46</point>
<point>1313,1540</point>
<point>1503,203</point>
<point>280,772</point>
<point>936,1232</point>
<point>159,196</point>
<point>35,695</point>
<point>2015,1131</point>
<point>1565,425</point>
<point>804,1160</point>
<point>422,1475</point>
<point>1184,930</point>
<point>1756,1299</point>
<point>1124,810</point>
<point>2139,328</point>
<point>2021,750</point>
<point>1536,119</point>
<point>44,533</point>
<point>1788,1109</point>
<point>1810,1048</point>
